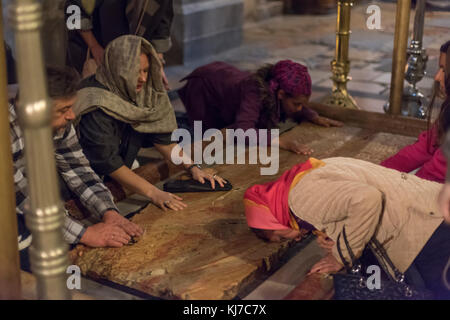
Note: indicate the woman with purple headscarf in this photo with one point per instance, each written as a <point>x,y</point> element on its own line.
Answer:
<point>221,95</point>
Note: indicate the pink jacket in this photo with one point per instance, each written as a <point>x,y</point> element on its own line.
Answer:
<point>430,160</point>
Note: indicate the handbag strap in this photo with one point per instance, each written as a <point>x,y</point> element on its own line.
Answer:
<point>349,249</point>
<point>444,275</point>
<point>338,245</point>
<point>385,261</point>
<point>356,265</point>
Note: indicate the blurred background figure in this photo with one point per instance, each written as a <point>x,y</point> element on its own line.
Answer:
<point>150,19</point>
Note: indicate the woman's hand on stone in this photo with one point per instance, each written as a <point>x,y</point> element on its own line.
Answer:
<point>328,264</point>
<point>296,146</point>
<point>326,122</point>
<point>167,200</point>
<point>201,176</point>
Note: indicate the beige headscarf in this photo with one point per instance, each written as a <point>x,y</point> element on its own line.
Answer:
<point>148,111</point>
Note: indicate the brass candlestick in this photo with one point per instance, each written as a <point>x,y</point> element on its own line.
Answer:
<point>340,66</point>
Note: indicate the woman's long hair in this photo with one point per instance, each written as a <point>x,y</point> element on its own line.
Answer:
<point>442,123</point>
<point>269,101</point>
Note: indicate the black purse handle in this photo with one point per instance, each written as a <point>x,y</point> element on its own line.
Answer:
<point>350,251</point>
<point>382,258</point>
<point>385,261</point>
<point>344,261</point>
<point>356,266</point>
<point>379,252</point>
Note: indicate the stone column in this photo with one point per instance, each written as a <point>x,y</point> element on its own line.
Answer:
<point>204,27</point>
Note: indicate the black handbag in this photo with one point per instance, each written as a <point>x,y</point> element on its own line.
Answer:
<point>181,186</point>
<point>353,284</point>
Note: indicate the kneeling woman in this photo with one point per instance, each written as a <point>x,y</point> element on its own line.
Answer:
<point>221,95</point>
<point>125,107</point>
<point>369,200</point>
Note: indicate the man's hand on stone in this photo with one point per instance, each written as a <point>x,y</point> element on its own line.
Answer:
<point>105,235</point>
<point>112,217</point>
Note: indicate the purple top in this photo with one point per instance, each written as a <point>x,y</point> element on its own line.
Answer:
<point>223,96</point>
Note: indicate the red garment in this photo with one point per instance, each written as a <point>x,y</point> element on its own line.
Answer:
<point>430,159</point>
<point>266,205</point>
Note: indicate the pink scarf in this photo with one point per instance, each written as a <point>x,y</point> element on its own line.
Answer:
<point>266,205</point>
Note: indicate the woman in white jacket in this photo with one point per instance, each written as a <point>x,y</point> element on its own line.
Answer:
<point>398,209</point>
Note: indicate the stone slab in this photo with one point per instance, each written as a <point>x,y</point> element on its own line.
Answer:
<point>207,251</point>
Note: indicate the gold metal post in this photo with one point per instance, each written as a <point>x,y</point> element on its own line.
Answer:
<point>48,251</point>
<point>341,65</point>
<point>399,55</point>
<point>9,250</point>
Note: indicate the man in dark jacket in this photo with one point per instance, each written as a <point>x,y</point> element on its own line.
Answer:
<point>110,19</point>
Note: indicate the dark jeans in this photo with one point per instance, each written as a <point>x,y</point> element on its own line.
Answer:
<point>428,267</point>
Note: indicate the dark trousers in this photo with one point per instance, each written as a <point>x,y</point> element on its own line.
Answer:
<point>428,267</point>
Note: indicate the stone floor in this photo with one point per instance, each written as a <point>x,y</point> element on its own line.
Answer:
<point>310,39</point>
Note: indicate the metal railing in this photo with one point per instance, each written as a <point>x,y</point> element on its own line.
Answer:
<point>48,251</point>
<point>9,257</point>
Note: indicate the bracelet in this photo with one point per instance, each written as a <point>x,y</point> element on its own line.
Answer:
<point>193,166</point>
